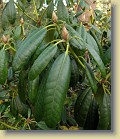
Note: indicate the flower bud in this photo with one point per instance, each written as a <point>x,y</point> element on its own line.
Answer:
<point>5,39</point>
<point>22,21</point>
<point>54,17</point>
<point>65,34</point>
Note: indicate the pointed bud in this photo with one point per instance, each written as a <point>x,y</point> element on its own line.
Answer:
<point>5,39</point>
<point>22,21</point>
<point>54,17</point>
<point>65,34</point>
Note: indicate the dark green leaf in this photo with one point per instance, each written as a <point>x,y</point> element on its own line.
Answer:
<point>50,9</point>
<point>98,60</point>
<point>11,11</point>
<point>92,117</point>
<point>56,88</point>
<point>33,90</point>
<point>27,48</point>
<point>3,66</point>
<point>104,113</point>
<point>91,77</point>
<point>107,56</point>
<point>62,12</point>
<point>39,104</point>
<point>42,61</point>
<point>82,106</point>
<point>90,40</point>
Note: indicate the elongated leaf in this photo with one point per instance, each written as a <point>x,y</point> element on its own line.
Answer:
<point>92,117</point>
<point>3,66</point>
<point>98,60</point>
<point>62,12</point>
<point>22,86</point>
<point>74,73</point>
<point>27,48</point>
<point>90,40</point>
<point>39,50</point>
<point>50,34</point>
<point>104,113</point>
<point>5,21</point>
<point>16,106</point>
<point>11,11</point>
<point>82,32</point>
<point>82,107</point>
<point>95,28</point>
<point>97,41</point>
<point>100,94</point>
<point>21,4</point>
<point>56,89</point>
<point>22,43</point>
<point>33,90</point>
<point>91,77</point>
<point>17,32</point>
<point>42,61</point>
<point>50,9</point>
<point>107,56</point>
<point>39,104</point>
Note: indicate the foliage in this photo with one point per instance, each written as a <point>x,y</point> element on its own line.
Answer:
<point>55,69</point>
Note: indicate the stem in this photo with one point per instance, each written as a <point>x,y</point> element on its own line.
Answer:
<point>13,49</point>
<point>31,25</point>
<point>107,90</point>
<point>9,126</point>
<point>28,126</point>
<point>52,42</point>
<point>34,122</point>
<point>104,88</point>
<point>94,75</point>
<point>61,21</point>
<point>4,46</point>
<point>23,30</point>
<point>35,9</point>
<point>52,25</point>
<point>51,29</point>
<point>108,82</point>
<point>67,47</point>
<point>25,12</point>
<point>77,58</point>
<point>10,47</point>
<point>60,42</point>
<point>108,76</point>
<point>42,14</point>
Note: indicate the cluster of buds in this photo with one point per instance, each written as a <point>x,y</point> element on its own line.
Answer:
<point>54,17</point>
<point>65,34</point>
